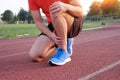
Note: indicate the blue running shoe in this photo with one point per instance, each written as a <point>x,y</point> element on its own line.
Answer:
<point>69,45</point>
<point>60,58</point>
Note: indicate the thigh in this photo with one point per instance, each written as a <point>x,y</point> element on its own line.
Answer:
<point>41,46</point>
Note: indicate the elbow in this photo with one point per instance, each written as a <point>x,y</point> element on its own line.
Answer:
<point>81,14</point>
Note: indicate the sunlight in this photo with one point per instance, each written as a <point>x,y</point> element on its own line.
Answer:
<point>86,4</point>
<point>98,0</point>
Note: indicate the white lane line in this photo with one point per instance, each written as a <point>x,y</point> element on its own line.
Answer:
<point>5,56</point>
<point>87,77</point>
<point>93,28</point>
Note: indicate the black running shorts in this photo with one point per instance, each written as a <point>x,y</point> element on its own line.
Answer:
<point>75,29</point>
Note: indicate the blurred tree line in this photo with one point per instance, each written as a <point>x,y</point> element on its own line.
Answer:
<point>97,11</point>
<point>107,8</point>
<point>22,17</point>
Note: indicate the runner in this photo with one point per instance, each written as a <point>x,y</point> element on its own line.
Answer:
<point>64,22</point>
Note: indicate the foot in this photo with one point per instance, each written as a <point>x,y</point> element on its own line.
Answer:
<point>60,58</point>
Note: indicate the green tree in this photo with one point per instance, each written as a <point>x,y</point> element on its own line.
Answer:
<point>22,15</point>
<point>95,9</point>
<point>15,19</point>
<point>8,16</point>
<point>29,17</point>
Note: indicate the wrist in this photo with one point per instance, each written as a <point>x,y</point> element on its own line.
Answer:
<point>50,35</point>
<point>66,7</point>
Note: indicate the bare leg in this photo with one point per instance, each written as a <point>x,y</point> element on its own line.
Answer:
<point>42,48</point>
<point>62,25</point>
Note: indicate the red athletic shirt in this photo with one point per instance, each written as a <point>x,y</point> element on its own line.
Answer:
<point>44,5</point>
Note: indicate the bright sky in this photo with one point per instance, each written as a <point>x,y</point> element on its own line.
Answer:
<point>15,5</point>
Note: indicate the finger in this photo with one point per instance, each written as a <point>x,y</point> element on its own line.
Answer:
<point>55,11</point>
<point>58,38</point>
<point>53,7</point>
<point>60,42</point>
<point>54,4</point>
<point>57,14</point>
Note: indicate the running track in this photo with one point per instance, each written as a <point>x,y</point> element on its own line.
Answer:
<point>96,57</point>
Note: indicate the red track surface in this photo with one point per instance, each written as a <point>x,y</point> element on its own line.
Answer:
<point>93,51</point>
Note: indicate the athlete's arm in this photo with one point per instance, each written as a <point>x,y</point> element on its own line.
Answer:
<point>74,8</point>
<point>42,27</point>
<point>39,22</point>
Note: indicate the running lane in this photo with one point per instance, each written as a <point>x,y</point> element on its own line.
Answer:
<point>96,57</point>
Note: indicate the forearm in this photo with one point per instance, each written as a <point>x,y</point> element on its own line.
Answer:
<point>73,8</point>
<point>43,28</point>
<point>76,11</point>
<point>39,22</point>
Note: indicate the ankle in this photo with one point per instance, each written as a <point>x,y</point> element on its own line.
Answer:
<point>65,49</point>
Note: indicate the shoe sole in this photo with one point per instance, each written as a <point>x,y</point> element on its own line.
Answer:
<point>60,64</point>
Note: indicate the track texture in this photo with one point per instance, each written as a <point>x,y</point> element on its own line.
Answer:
<point>93,50</point>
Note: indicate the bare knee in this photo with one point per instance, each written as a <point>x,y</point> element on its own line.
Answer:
<point>32,54</point>
<point>36,56</point>
<point>54,18</point>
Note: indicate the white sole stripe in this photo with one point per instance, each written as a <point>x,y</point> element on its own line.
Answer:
<point>59,64</point>
<point>87,77</point>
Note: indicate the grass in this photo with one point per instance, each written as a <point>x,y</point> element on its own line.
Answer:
<point>17,30</point>
<point>92,25</point>
<point>21,30</point>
